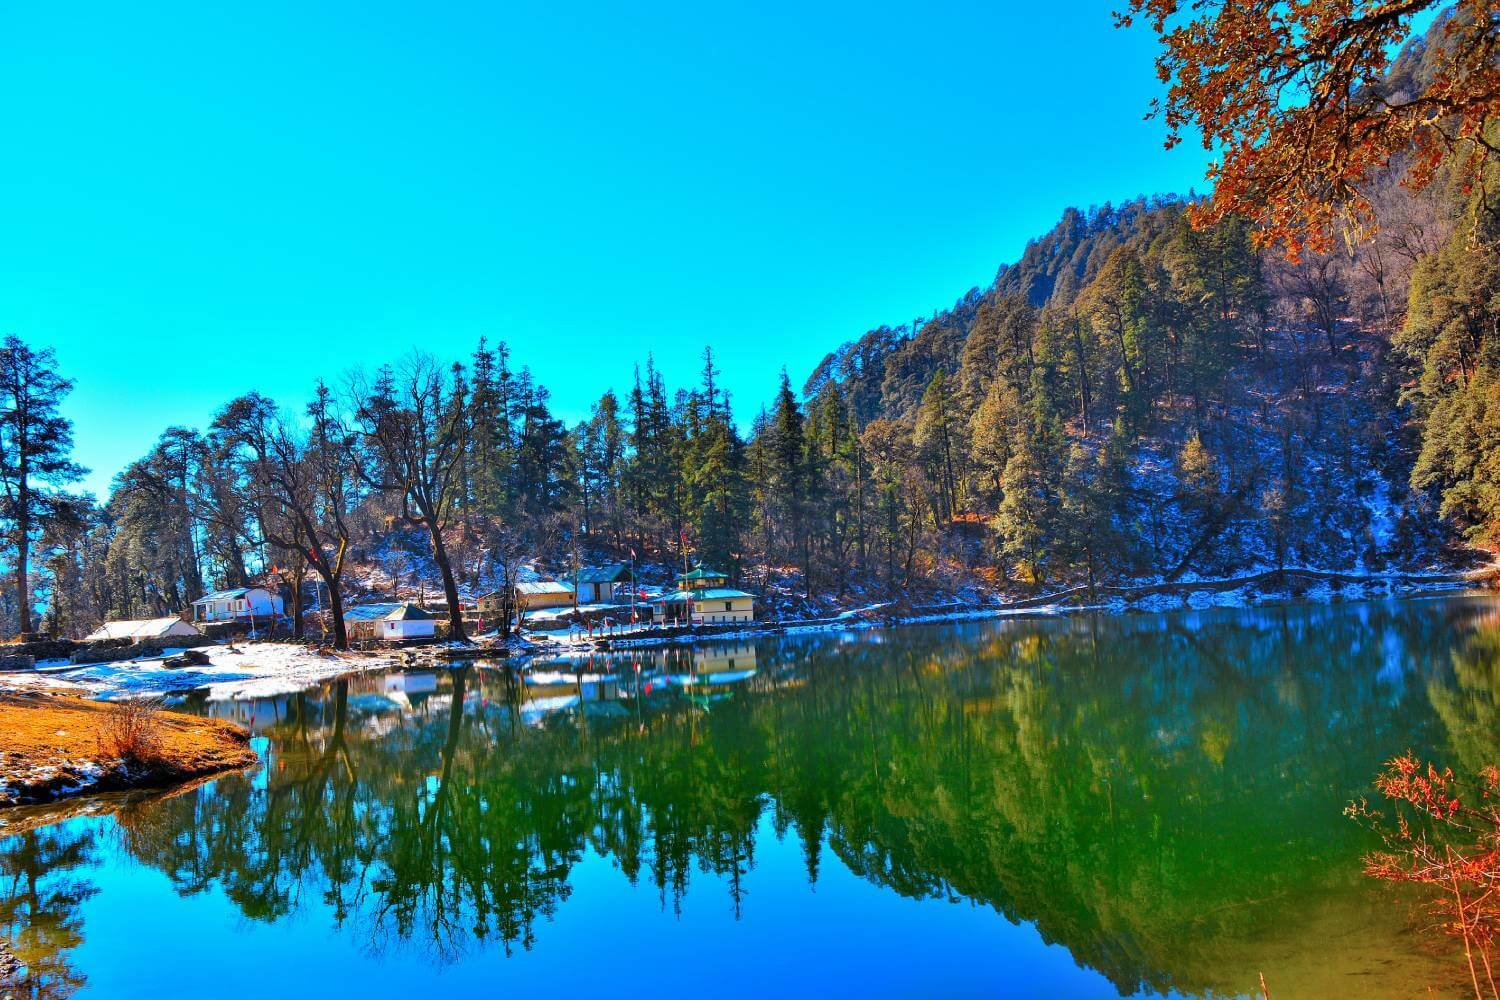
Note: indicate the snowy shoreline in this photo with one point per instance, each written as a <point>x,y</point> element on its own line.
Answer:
<point>1144,598</point>
<point>243,670</point>
<point>268,669</point>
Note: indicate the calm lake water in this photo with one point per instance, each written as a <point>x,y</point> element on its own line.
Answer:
<point>1091,806</point>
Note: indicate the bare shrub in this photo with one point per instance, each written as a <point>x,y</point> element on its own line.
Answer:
<point>131,731</point>
<point>1446,839</point>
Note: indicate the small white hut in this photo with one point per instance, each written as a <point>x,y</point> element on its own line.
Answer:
<point>390,622</point>
<point>140,629</point>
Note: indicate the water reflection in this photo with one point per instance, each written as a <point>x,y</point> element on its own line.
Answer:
<point>1160,794</point>
<point>41,893</point>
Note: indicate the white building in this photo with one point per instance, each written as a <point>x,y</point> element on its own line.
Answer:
<point>703,606</point>
<point>603,584</point>
<point>702,598</point>
<point>144,628</point>
<point>241,604</point>
<point>390,622</point>
<point>409,622</point>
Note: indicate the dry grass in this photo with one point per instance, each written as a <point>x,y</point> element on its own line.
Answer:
<point>40,734</point>
<point>131,731</point>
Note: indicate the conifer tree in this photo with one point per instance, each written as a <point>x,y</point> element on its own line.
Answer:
<point>1028,517</point>
<point>788,474</point>
<point>992,430</point>
<point>714,475</point>
<point>935,435</point>
<point>1451,341</point>
<point>36,446</point>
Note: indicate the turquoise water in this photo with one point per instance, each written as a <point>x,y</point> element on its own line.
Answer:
<point>1088,806</point>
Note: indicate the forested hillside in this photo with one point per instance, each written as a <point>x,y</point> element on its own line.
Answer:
<point>1139,398</point>
<point>1146,394</point>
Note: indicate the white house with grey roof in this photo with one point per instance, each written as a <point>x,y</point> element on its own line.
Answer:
<point>603,584</point>
<point>394,622</point>
<point>240,604</point>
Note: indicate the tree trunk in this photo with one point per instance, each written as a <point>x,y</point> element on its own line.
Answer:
<point>23,553</point>
<point>297,629</point>
<point>336,609</point>
<point>445,568</point>
<point>1083,375</point>
<point>859,513</point>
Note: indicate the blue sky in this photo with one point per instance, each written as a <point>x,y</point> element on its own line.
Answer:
<point>198,202</point>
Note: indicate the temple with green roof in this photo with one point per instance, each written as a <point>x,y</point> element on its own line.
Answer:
<point>703,597</point>
<point>702,576</point>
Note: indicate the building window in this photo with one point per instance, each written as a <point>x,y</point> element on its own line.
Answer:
<point>728,606</point>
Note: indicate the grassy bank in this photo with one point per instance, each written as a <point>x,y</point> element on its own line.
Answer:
<point>52,747</point>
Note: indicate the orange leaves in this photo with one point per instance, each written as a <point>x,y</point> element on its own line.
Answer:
<point>1296,100</point>
<point>1432,792</point>
<point>1447,839</point>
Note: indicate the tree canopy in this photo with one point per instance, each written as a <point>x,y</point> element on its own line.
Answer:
<point>1299,104</point>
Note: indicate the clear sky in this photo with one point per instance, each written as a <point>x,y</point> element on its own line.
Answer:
<point>197,200</point>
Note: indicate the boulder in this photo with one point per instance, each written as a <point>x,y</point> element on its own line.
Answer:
<point>187,658</point>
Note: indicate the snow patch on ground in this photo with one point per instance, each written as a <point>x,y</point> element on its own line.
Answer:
<point>1156,602</point>
<point>245,670</point>
<point>60,778</point>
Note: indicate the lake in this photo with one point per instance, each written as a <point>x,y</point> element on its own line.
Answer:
<point>1083,806</point>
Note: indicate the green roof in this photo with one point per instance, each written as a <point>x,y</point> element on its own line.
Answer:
<point>703,573</point>
<point>613,573</point>
<point>701,594</point>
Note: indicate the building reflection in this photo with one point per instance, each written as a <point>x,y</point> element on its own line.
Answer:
<point>1159,795</point>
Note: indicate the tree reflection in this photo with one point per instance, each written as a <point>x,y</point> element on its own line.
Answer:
<point>1160,795</point>
<point>40,900</point>
<point>1469,705</point>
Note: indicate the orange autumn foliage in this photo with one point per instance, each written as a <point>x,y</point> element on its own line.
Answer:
<point>1444,836</point>
<point>1294,99</point>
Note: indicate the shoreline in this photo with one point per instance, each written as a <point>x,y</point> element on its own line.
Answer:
<point>1326,587</point>
<point>53,730</point>
<point>60,747</point>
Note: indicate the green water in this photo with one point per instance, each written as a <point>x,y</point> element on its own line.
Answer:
<point>1077,807</point>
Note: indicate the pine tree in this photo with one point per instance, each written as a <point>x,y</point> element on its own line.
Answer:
<point>600,453</point>
<point>36,445</point>
<point>1025,517</point>
<point>935,436</point>
<point>788,473</point>
<point>1451,340</point>
<point>1028,520</point>
<point>991,431</point>
<point>714,479</point>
